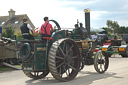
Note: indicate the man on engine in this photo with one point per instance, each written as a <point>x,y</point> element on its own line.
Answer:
<point>25,28</point>
<point>45,28</point>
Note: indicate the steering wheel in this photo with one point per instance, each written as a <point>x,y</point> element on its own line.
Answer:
<point>57,24</point>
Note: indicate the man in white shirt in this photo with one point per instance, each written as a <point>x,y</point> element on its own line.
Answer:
<point>25,28</point>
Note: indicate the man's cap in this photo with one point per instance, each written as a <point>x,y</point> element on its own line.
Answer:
<point>25,19</point>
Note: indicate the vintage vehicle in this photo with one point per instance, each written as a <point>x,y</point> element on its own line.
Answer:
<point>125,37</point>
<point>8,51</point>
<point>115,46</point>
<point>63,54</point>
<point>110,50</point>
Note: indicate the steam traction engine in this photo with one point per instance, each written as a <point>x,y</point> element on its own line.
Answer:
<point>64,54</point>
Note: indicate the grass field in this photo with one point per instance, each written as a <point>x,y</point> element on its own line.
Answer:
<point>5,68</point>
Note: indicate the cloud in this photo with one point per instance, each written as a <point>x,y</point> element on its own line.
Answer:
<point>102,10</point>
<point>66,12</point>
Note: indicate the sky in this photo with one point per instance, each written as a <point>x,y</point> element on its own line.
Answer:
<point>66,12</point>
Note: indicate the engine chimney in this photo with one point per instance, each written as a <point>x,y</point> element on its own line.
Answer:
<point>87,20</point>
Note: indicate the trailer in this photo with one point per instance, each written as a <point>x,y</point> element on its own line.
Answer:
<point>8,51</point>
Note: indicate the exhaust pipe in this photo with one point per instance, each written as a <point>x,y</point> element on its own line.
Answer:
<point>87,20</point>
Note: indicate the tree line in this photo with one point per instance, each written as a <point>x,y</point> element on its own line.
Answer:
<point>113,27</point>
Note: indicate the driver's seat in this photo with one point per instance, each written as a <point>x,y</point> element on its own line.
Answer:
<point>47,38</point>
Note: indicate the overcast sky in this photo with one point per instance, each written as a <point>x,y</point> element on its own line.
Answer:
<point>66,12</point>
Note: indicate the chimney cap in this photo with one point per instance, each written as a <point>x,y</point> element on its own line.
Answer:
<point>12,10</point>
<point>87,10</point>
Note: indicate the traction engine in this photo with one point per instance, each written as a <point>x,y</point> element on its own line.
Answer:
<point>64,54</point>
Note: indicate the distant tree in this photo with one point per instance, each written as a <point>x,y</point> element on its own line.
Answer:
<point>122,30</point>
<point>8,32</point>
<point>18,35</point>
<point>107,29</point>
<point>113,25</point>
<point>126,30</point>
<point>109,34</point>
<point>94,32</point>
<point>109,23</point>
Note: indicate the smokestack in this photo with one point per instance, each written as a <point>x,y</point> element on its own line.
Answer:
<point>11,13</point>
<point>87,20</point>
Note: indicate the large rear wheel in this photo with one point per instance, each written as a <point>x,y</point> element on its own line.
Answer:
<point>64,59</point>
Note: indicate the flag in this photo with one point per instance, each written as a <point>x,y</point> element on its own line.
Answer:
<point>36,31</point>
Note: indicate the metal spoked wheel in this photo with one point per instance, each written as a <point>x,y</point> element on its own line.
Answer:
<point>37,75</point>
<point>64,59</point>
<point>101,62</point>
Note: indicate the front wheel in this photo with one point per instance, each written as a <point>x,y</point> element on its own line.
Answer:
<point>101,62</point>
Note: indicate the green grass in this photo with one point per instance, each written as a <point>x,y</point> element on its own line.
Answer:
<point>18,66</point>
<point>5,68</point>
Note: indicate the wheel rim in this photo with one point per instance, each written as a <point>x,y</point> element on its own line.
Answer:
<point>101,62</point>
<point>66,58</point>
<point>36,75</point>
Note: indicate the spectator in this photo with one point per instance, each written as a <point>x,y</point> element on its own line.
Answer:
<point>25,28</point>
